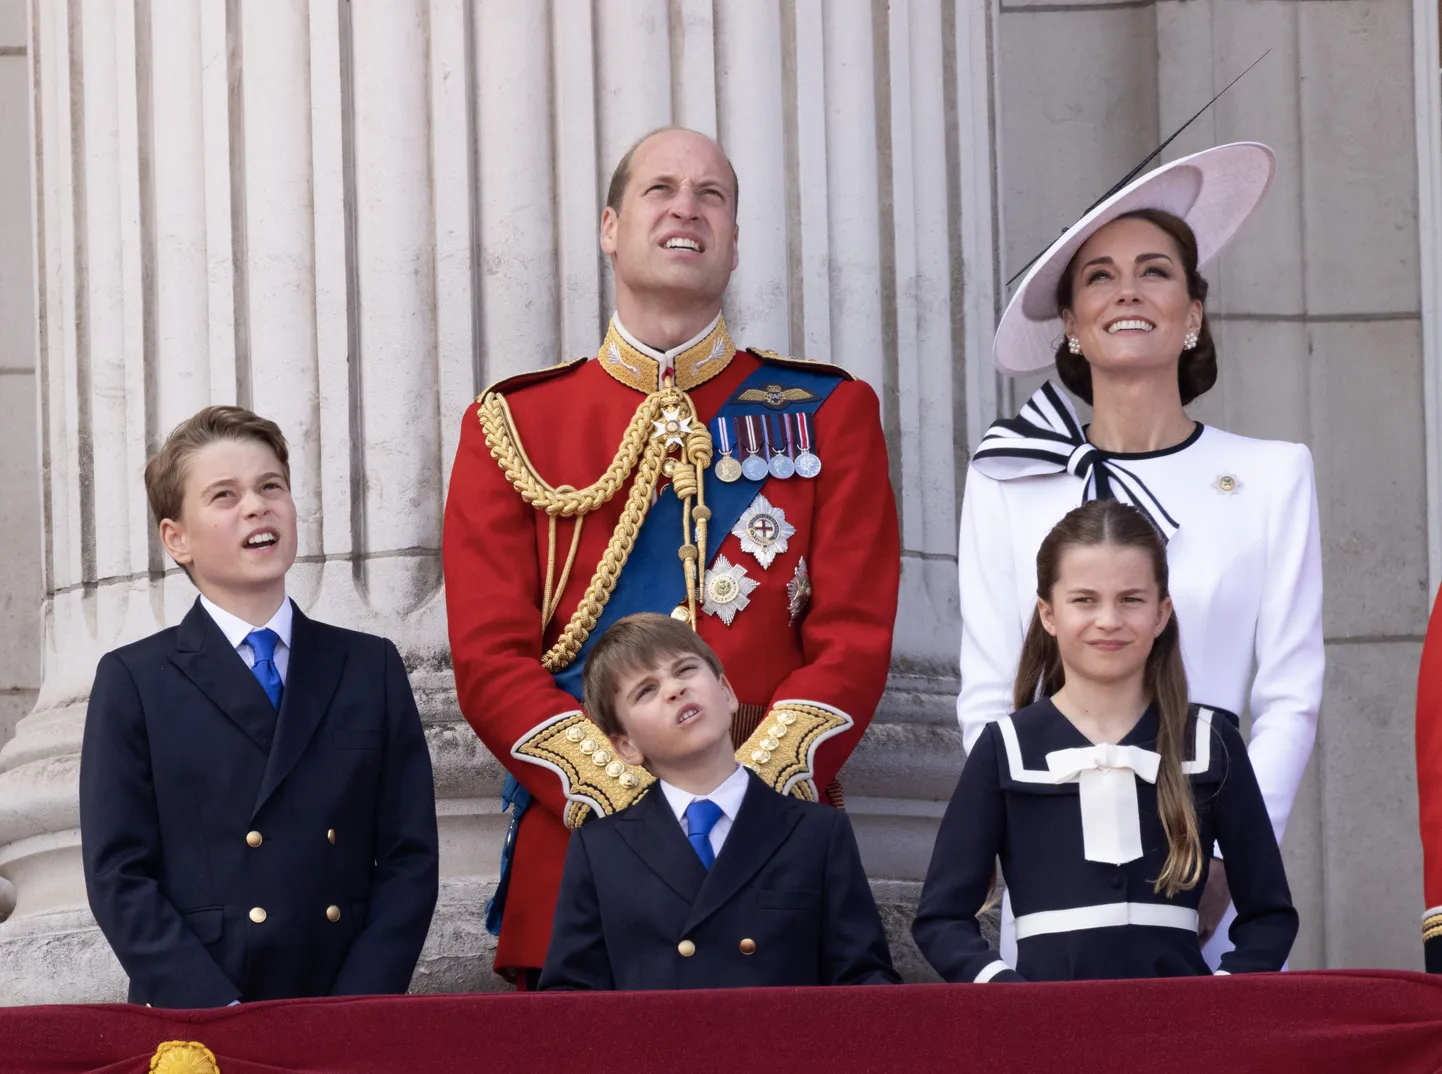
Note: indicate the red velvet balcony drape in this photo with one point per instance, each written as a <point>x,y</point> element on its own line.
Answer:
<point>1339,1021</point>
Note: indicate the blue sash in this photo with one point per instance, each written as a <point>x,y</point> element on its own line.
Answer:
<point>653,580</point>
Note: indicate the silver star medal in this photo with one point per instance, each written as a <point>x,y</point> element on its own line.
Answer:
<point>727,590</point>
<point>763,531</point>
<point>798,591</point>
<point>672,426</point>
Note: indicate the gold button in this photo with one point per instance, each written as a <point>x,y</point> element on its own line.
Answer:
<point>330,836</point>
<point>1227,483</point>
<point>601,757</point>
<point>332,913</point>
<point>588,747</point>
<point>574,734</point>
<point>252,839</point>
<point>257,915</point>
<point>760,756</point>
<point>628,780</point>
<point>682,613</point>
<point>686,948</point>
<point>748,947</point>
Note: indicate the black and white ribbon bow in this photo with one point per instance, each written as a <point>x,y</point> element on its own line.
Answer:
<point>1047,438</point>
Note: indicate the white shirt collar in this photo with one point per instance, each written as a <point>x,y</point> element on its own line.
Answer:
<point>728,796</point>
<point>665,359</point>
<point>235,629</point>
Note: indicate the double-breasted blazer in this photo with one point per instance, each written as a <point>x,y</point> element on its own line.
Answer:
<point>233,852</point>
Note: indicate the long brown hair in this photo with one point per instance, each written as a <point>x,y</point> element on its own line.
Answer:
<point>1107,522</point>
<point>1197,368</point>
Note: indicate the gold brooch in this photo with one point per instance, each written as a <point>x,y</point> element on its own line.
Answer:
<point>183,1057</point>
<point>1227,484</point>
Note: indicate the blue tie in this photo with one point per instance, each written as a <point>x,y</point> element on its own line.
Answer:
<point>262,643</point>
<point>701,817</point>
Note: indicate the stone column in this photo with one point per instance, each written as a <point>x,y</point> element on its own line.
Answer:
<point>352,217</point>
<point>20,582</point>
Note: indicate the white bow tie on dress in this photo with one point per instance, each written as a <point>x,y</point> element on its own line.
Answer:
<point>1047,437</point>
<point>1111,825</point>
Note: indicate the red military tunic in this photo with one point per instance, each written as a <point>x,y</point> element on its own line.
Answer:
<point>570,421</point>
<point>1429,785</point>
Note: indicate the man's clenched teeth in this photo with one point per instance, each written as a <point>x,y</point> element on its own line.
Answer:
<point>679,243</point>
<point>686,713</point>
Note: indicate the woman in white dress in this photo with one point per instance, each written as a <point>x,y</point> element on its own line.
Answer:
<point>1118,304</point>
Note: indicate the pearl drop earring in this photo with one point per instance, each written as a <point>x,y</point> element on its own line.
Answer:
<point>1073,344</point>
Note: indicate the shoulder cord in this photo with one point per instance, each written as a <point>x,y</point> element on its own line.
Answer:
<point>640,451</point>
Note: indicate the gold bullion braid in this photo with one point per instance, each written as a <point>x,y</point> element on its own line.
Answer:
<point>506,449</point>
<point>638,451</point>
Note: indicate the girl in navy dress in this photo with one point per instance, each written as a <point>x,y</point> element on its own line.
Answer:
<point>1104,798</point>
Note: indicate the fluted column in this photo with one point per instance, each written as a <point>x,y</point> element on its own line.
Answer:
<point>353,217</point>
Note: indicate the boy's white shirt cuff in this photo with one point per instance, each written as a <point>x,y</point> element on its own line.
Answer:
<point>990,970</point>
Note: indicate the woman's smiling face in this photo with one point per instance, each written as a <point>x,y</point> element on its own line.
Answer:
<point>1130,305</point>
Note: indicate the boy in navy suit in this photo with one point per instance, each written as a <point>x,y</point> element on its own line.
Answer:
<point>713,879</point>
<point>257,816</point>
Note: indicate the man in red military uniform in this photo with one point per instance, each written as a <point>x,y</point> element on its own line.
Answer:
<point>745,493</point>
<point>1429,786</point>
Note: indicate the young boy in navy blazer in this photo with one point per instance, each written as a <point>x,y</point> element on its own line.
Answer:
<point>257,816</point>
<point>712,880</point>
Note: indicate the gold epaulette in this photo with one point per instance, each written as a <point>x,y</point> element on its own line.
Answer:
<point>592,778</point>
<point>772,358</point>
<point>782,749</point>
<point>533,376</point>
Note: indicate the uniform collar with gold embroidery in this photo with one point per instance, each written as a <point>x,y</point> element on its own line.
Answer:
<point>641,367</point>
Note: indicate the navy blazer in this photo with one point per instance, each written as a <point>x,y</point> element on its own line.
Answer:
<point>235,853</point>
<point>785,903</point>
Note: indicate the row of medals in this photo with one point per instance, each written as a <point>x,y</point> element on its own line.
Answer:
<point>755,468</point>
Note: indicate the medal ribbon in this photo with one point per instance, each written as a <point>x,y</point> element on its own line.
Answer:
<point>790,443</point>
<point>753,439</point>
<point>765,437</point>
<point>723,436</point>
<point>650,581</point>
<point>803,432</point>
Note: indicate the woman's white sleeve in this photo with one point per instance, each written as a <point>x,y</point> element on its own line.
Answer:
<point>1287,690</point>
<point>991,635</point>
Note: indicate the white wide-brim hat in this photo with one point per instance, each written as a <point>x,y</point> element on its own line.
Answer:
<point>1214,191</point>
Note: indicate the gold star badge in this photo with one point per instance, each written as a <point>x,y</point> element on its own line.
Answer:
<point>798,592</point>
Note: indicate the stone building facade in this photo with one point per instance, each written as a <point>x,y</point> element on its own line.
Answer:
<point>352,216</point>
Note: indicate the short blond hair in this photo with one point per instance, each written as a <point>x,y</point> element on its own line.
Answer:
<point>167,469</point>
<point>639,641</point>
